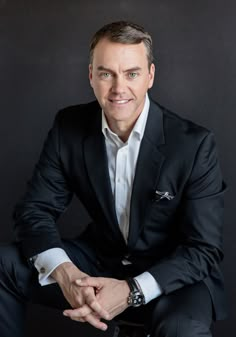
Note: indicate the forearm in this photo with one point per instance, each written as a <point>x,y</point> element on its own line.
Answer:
<point>67,273</point>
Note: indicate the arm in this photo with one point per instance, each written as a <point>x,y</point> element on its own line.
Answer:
<point>47,261</point>
<point>47,196</point>
<point>200,220</point>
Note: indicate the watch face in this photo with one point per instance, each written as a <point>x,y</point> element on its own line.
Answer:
<point>135,299</point>
<point>138,301</point>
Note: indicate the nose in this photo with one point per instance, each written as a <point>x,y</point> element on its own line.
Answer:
<point>118,85</point>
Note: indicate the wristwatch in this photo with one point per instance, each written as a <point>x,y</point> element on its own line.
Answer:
<point>136,297</point>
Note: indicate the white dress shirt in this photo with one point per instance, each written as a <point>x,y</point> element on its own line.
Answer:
<point>122,159</point>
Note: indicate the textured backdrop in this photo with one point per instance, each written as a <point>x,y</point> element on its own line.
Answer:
<point>43,67</point>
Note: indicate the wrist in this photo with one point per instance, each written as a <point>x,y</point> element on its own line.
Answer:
<point>66,272</point>
<point>136,296</point>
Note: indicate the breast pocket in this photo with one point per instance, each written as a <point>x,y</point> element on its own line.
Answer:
<point>164,206</point>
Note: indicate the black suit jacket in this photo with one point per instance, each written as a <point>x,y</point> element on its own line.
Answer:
<point>178,241</point>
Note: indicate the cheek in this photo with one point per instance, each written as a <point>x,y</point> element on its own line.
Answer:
<point>142,85</point>
<point>102,89</point>
<point>99,91</point>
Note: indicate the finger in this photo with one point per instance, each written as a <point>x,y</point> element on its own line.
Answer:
<point>91,300</point>
<point>96,306</point>
<point>95,321</point>
<point>81,320</point>
<point>89,282</point>
<point>77,319</point>
<point>78,312</point>
<point>92,319</point>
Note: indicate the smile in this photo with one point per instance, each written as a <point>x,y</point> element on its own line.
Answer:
<point>121,101</point>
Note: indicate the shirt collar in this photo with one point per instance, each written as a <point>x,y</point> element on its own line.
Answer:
<point>139,126</point>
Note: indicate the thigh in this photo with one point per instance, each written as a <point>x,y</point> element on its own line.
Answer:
<point>16,275</point>
<point>19,278</point>
<point>185,312</point>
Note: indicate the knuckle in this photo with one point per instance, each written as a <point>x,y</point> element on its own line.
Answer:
<point>108,318</point>
<point>93,321</point>
<point>87,291</point>
<point>92,303</point>
<point>83,312</point>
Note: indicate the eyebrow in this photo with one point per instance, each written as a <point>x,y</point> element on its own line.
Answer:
<point>125,71</point>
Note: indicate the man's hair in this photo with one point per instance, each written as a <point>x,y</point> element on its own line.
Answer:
<point>123,32</point>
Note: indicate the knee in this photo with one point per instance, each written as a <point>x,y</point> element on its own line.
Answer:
<point>9,257</point>
<point>16,277</point>
<point>175,324</point>
<point>165,326</point>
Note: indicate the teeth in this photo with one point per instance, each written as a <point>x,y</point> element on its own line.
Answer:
<point>121,101</point>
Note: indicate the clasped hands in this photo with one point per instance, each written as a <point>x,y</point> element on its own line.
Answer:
<point>91,298</point>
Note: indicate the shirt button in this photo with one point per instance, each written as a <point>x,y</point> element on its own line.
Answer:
<point>42,270</point>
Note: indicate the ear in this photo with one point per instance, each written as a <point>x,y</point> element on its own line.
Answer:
<point>151,75</point>
<point>90,74</point>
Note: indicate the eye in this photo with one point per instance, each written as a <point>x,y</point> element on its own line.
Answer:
<point>105,75</point>
<point>133,75</point>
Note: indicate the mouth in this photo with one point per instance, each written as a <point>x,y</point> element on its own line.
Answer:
<point>119,101</point>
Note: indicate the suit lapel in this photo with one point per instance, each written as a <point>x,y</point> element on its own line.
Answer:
<point>148,168</point>
<point>97,167</point>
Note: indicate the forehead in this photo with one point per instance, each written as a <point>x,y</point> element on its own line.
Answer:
<point>107,51</point>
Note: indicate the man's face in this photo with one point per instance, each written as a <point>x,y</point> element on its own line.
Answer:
<point>120,78</point>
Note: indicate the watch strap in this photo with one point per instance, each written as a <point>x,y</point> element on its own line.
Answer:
<point>136,297</point>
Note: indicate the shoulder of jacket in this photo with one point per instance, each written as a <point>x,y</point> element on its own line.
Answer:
<point>79,111</point>
<point>181,126</point>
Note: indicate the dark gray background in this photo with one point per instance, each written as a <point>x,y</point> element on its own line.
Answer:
<point>43,67</point>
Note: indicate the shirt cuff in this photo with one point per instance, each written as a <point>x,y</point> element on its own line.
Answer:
<point>47,261</point>
<point>149,286</point>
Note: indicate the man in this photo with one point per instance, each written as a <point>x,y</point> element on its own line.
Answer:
<point>152,185</point>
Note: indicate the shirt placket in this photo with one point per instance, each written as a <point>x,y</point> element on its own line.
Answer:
<point>121,194</point>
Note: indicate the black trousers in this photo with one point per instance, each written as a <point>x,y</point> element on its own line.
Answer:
<point>184,313</point>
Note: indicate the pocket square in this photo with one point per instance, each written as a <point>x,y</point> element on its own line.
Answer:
<point>162,195</point>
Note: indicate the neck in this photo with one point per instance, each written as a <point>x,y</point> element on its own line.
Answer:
<point>121,129</point>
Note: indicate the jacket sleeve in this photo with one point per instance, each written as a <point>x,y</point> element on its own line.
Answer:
<point>200,220</point>
<point>48,195</point>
